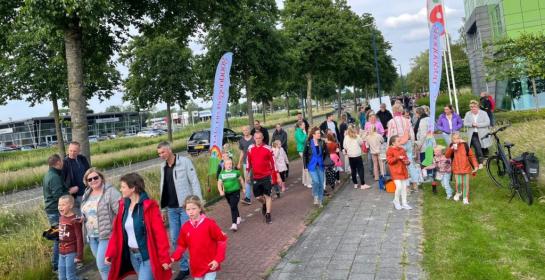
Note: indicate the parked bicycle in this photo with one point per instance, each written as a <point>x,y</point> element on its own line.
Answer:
<point>508,172</point>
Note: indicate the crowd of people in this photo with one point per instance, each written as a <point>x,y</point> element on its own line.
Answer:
<point>127,230</point>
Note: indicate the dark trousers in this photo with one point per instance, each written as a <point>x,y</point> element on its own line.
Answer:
<point>476,145</point>
<point>233,199</point>
<point>356,168</point>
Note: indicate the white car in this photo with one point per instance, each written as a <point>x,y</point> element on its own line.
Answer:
<point>147,133</point>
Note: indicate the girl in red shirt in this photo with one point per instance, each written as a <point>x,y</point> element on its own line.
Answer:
<point>398,162</point>
<point>204,239</point>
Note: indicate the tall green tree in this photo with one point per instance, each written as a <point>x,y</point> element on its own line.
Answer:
<point>160,70</point>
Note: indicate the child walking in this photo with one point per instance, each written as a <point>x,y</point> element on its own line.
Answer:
<point>397,162</point>
<point>281,161</point>
<point>70,239</point>
<point>375,140</point>
<point>204,240</point>
<point>464,163</point>
<point>229,184</point>
<point>443,169</point>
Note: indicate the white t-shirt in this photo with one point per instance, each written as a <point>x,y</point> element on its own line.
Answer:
<point>129,228</point>
<point>475,116</point>
<point>331,126</point>
<point>449,123</point>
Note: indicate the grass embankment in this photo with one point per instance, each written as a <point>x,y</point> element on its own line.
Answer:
<point>26,255</point>
<point>490,238</point>
<point>22,170</point>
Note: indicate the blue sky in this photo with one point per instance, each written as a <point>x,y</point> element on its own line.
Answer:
<point>403,23</point>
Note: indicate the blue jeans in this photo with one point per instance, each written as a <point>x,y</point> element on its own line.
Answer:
<point>445,182</point>
<point>447,138</point>
<point>53,219</point>
<point>67,267</point>
<point>98,247</point>
<point>207,276</point>
<point>247,185</point>
<point>176,218</point>
<point>142,268</point>
<point>317,176</point>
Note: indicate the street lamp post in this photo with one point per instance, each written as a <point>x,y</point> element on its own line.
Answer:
<point>376,65</point>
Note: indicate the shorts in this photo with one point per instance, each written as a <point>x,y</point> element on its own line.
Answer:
<point>262,186</point>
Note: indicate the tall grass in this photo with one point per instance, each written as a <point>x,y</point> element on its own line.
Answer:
<point>25,169</point>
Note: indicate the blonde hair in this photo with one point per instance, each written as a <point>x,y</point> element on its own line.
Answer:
<point>352,132</point>
<point>91,170</point>
<point>68,198</point>
<point>455,135</point>
<point>397,108</point>
<point>439,147</point>
<point>473,102</point>
<point>193,199</point>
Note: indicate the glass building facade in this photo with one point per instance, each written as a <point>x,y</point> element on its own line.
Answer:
<point>490,20</point>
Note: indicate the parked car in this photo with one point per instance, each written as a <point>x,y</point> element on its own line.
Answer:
<point>27,148</point>
<point>6,149</point>
<point>93,138</point>
<point>199,141</point>
<point>147,134</point>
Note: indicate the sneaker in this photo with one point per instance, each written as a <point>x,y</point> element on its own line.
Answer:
<point>278,195</point>
<point>309,186</point>
<point>406,207</point>
<point>365,187</point>
<point>397,206</point>
<point>182,275</point>
<point>457,196</point>
<point>356,186</point>
<point>247,201</point>
<point>466,201</point>
<point>233,227</point>
<point>434,189</point>
<point>268,219</point>
<point>239,220</point>
<point>449,197</point>
<point>480,166</point>
<point>315,200</point>
<point>79,266</point>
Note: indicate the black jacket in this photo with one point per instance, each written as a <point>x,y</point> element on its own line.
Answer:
<point>323,129</point>
<point>384,117</point>
<point>307,153</point>
<point>70,171</point>
<point>282,136</point>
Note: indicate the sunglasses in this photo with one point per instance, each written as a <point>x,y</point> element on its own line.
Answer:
<point>93,179</point>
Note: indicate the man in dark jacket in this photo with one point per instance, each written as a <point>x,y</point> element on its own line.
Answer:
<point>300,118</point>
<point>280,134</point>
<point>486,105</point>
<point>384,116</point>
<point>53,189</point>
<point>258,127</point>
<point>330,124</point>
<point>75,166</point>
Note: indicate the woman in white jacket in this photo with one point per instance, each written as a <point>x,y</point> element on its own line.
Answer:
<point>478,125</point>
<point>352,148</point>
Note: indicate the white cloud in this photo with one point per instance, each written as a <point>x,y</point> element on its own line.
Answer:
<point>406,19</point>
<point>416,34</point>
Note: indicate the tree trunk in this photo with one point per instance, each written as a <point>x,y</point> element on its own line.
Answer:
<point>58,130</point>
<point>288,104</point>
<point>309,98</point>
<point>76,98</point>
<point>355,101</point>
<point>263,110</point>
<point>536,98</point>
<point>169,123</point>
<point>249,101</point>
<point>339,104</point>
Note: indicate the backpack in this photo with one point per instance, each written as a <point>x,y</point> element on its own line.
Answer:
<point>492,103</point>
<point>467,154</point>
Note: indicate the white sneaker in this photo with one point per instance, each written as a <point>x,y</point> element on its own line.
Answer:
<point>480,166</point>
<point>355,186</point>
<point>407,207</point>
<point>239,220</point>
<point>466,201</point>
<point>365,187</point>
<point>315,200</point>
<point>309,186</point>
<point>234,227</point>
<point>397,206</point>
<point>449,197</point>
<point>457,196</point>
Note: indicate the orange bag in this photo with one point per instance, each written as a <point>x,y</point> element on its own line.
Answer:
<point>390,186</point>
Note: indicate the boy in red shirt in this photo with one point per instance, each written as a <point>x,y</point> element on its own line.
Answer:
<point>70,239</point>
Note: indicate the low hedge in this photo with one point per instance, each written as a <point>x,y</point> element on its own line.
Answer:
<point>519,116</point>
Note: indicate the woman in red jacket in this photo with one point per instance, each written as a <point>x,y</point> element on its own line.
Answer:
<point>398,162</point>
<point>204,240</point>
<point>139,242</point>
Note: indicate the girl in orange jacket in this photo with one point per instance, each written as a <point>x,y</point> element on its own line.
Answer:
<point>397,162</point>
<point>464,162</point>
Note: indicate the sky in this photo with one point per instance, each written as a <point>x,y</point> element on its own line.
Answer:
<point>402,22</point>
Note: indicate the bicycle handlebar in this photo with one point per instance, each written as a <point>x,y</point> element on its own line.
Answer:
<point>502,128</point>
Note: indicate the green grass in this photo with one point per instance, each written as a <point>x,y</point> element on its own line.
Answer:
<point>490,238</point>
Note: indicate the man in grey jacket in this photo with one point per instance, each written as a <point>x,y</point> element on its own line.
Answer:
<point>178,180</point>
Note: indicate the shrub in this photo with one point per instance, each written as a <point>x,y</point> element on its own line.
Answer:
<point>443,100</point>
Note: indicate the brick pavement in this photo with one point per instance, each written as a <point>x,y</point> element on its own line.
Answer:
<point>358,236</point>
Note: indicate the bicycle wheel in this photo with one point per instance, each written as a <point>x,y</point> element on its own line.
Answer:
<point>495,167</point>
<point>523,186</point>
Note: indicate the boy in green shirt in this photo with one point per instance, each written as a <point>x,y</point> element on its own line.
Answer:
<point>229,182</point>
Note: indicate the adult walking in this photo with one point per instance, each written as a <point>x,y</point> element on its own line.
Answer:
<point>352,148</point>
<point>343,127</point>
<point>401,127</point>
<point>448,123</point>
<point>74,167</point>
<point>260,160</point>
<point>362,117</point>
<point>264,131</point>
<point>301,119</point>
<point>374,123</point>
<point>243,144</point>
<point>139,242</point>
<point>478,125</point>
<point>384,116</point>
<point>300,140</point>
<point>99,207</point>
<point>53,189</point>
<point>485,104</point>
<point>313,159</point>
<point>421,131</point>
<point>178,180</point>
<point>330,124</point>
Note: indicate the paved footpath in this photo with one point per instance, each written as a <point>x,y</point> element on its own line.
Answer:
<point>358,236</point>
